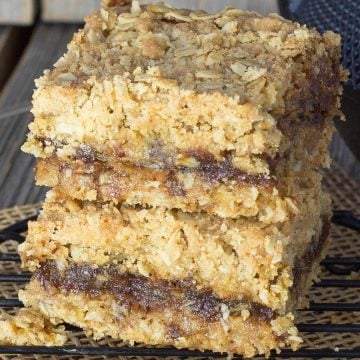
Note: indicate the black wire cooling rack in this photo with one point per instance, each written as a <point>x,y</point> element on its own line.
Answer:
<point>339,266</point>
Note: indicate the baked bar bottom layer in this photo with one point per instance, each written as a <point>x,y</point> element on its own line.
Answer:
<point>107,302</point>
<point>232,257</point>
<point>212,190</point>
<point>160,316</point>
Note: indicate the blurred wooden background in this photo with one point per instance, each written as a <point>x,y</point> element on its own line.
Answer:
<point>25,51</point>
<point>73,10</point>
<point>20,12</point>
<point>23,11</point>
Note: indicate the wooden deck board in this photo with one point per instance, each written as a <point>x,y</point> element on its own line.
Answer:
<point>12,42</point>
<point>46,45</point>
<point>18,11</point>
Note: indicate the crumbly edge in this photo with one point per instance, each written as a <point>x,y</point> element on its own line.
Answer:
<point>104,316</point>
<point>30,327</point>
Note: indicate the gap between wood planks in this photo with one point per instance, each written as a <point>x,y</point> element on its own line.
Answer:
<point>13,40</point>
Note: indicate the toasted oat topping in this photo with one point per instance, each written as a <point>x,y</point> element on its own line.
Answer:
<point>207,52</point>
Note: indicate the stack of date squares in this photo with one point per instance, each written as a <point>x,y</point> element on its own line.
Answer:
<point>183,150</point>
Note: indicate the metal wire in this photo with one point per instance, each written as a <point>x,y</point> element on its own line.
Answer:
<point>336,265</point>
<point>165,352</point>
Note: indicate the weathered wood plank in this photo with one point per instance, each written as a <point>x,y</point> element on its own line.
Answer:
<point>75,10</point>
<point>20,12</point>
<point>47,44</point>
<point>12,42</point>
<point>67,10</point>
<point>261,6</point>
